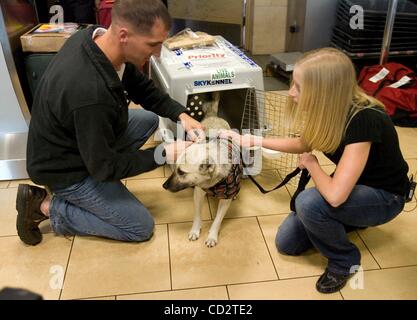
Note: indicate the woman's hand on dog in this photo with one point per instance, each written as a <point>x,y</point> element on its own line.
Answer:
<point>245,141</point>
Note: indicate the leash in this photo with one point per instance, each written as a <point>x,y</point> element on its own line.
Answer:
<point>304,178</point>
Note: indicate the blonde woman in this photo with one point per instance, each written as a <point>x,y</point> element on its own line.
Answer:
<point>367,189</point>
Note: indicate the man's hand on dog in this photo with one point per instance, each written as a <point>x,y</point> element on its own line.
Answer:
<point>173,150</point>
<point>194,129</point>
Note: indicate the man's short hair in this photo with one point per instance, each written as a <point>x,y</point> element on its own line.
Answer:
<point>141,14</point>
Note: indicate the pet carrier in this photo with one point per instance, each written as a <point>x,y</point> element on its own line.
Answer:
<point>191,76</point>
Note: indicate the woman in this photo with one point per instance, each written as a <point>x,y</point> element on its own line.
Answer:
<point>367,189</point>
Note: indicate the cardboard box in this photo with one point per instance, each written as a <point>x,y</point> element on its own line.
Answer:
<point>46,38</point>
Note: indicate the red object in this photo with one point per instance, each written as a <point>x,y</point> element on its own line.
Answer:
<point>403,97</point>
<point>104,13</point>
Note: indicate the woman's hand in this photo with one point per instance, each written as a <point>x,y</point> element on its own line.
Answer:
<point>193,128</point>
<point>245,141</point>
<point>306,159</point>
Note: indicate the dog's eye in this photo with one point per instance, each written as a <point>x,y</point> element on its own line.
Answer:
<point>180,172</point>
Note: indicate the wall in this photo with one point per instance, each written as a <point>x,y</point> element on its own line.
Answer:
<point>224,11</point>
<point>267,26</point>
<point>315,19</point>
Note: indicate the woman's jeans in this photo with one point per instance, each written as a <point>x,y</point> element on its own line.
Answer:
<point>319,225</point>
<point>107,209</point>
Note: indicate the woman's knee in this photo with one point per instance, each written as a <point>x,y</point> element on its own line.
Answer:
<point>288,236</point>
<point>308,203</point>
<point>285,245</point>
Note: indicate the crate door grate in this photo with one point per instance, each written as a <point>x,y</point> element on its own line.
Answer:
<point>264,114</point>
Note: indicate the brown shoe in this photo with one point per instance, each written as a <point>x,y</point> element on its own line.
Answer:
<point>29,215</point>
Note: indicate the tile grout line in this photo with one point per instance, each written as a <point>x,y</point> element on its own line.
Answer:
<point>169,257</point>
<point>267,248</point>
<point>162,291</point>
<point>66,268</point>
<point>369,250</point>
<point>227,291</point>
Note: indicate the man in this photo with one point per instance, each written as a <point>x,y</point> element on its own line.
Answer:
<point>82,137</point>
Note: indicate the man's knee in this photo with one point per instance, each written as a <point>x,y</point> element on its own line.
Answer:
<point>142,230</point>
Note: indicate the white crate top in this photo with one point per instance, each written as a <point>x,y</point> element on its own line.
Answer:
<point>220,61</point>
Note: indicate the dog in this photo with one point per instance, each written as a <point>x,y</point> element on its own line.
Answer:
<point>211,167</point>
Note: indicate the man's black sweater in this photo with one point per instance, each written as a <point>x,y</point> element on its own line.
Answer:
<point>80,111</point>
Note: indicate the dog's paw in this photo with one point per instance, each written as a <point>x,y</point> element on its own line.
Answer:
<point>193,235</point>
<point>211,242</point>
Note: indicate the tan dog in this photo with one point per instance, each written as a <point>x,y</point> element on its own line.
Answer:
<point>211,167</point>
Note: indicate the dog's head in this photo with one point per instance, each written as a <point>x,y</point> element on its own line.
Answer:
<point>194,167</point>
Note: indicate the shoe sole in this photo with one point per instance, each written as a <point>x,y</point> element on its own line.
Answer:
<point>22,207</point>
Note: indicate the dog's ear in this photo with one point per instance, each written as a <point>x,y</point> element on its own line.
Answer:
<point>206,168</point>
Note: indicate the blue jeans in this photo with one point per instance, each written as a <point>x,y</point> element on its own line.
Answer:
<point>319,225</point>
<point>107,209</point>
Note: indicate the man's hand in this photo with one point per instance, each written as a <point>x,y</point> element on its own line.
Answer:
<point>193,128</point>
<point>173,150</point>
<point>305,160</point>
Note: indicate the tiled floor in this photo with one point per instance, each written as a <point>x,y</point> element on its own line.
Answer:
<point>244,265</point>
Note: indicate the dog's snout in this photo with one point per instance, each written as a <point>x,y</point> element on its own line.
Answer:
<point>166,185</point>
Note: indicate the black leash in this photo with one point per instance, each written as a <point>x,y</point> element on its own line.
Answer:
<point>304,179</point>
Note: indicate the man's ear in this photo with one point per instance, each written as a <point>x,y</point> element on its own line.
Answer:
<point>123,35</point>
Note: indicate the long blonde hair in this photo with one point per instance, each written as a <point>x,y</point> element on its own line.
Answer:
<point>329,98</point>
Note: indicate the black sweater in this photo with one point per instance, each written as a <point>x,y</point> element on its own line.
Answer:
<point>80,110</point>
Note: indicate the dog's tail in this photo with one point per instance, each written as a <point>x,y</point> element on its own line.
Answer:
<point>211,108</point>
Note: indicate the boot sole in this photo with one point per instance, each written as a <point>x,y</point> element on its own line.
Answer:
<point>22,207</point>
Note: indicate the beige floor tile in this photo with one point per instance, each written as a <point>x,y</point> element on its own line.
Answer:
<point>168,170</point>
<point>386,284</point>
<point>240,256</point>
<point>412,167</point>
<point>311,263</point>
<point>408,141</point>
<point>294,289</point>
<point>4,184</point>
<point>8,214</point>
<point>165,206</point>
<point>213,293</point>
<point>394,243</point>
<point>157,173</point>
<point>101,267</point>
<point>37,268</point>
<point>251,202</point>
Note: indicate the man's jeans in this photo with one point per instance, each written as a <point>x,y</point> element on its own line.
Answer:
<point>319,225</point>
<point>107,209</point>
